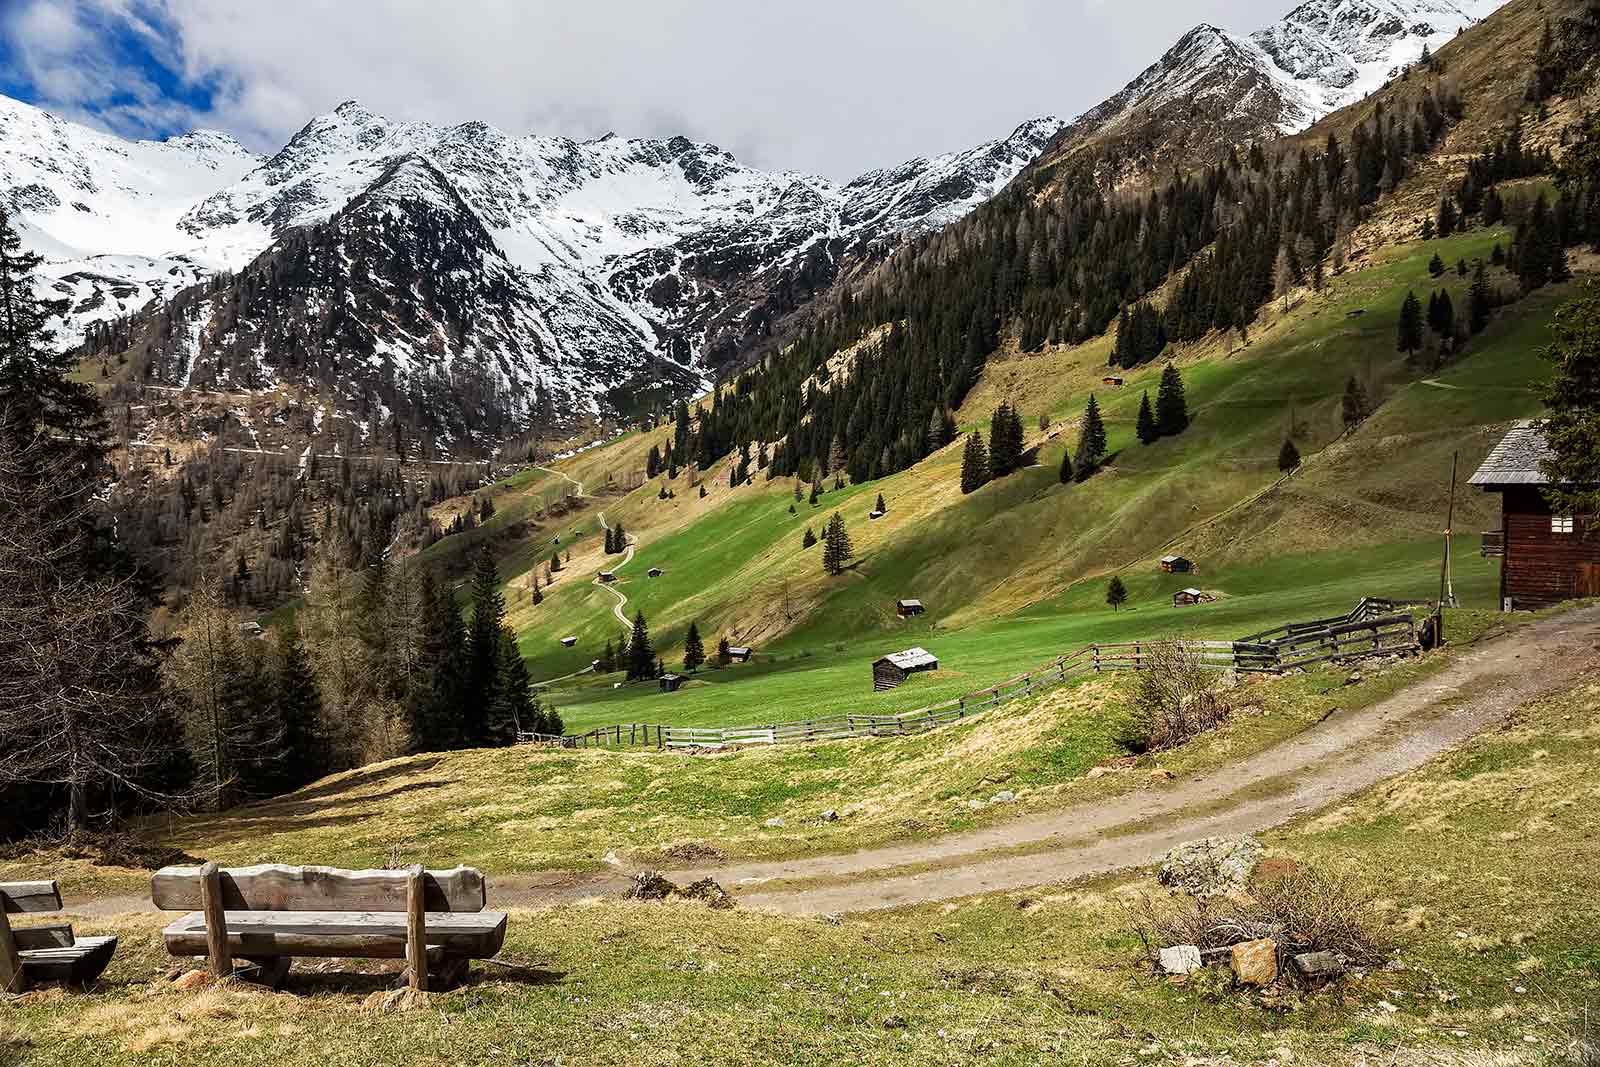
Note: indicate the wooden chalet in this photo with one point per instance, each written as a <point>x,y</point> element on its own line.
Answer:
<point>607,576</point>
<point>907,608</point>
<point>892,670</point>
<point>738,653</point>
<point>1176,565</point>
<point>654,572</point>
<point>874,514</point>
<point>671,683</point>
<point>1184,597</point>
<point>569,641</point>
<point>1111,379</point>
<point>1544,555</point>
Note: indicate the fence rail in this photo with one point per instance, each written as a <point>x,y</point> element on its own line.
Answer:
<point>1375,627</point>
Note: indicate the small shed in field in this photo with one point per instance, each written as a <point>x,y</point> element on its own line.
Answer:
<point>907,608</point>
<point>1176,565</point>
<point>569,641</point>
<point>607,576</point>
<point>1111,379</point>
<point>874,514</point>
<point>654,572</point>
<point>1545,555</point>
<point>1190,596</point>
<point>738,653</point>
<point>671,683</point>
<point>892,670</point>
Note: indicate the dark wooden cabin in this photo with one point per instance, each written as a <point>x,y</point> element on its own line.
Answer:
<point>1111,379</point>
<point>1185,597</point>
<point>569,641</point>
<point>892,670</point>
<point>1545,556</point>
<point>607,576</point>
<point>1176,565</point>
<point>738,653</point>
<point>654,572</point>
<point>907,608</point>
<point>671,683</point>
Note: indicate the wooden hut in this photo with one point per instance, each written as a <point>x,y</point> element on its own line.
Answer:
<point>738,653</point>
<point>907,608</point>
<point>1188,596</point>
<point>671,683</point>
<point>569,641</point>
<point>654,572</point>
<point>607,576</point>
<point>874,514</point>
<point>892,670</point>
<point>1545,556</point>
<point>1111,379</point>
<point>1176,565</point>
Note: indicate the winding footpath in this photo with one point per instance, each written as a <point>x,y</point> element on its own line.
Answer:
<point>622,600</point>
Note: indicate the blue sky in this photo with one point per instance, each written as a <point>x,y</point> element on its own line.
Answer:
<point>829,86</point>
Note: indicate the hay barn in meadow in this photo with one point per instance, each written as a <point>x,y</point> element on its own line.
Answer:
<point>892,670</point>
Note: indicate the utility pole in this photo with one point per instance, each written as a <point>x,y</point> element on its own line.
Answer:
<point>1447,594</point>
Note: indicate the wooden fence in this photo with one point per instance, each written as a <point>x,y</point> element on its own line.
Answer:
<point>1376,626</point>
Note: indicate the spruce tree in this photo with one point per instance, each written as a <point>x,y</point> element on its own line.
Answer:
<point>488,615</point>
<point>608,659</point>
<point>1172,405</point>
<point>1066,466</point>
<point>809,539</point>
<point>1116,593</point>
<point>1409,336</point>
<point>1091,441</point>
<point>1572,400</point>
<point>1146,429</point>
<point>1479,303</point>
<point>438,706</point>
<point>1436,265</point>
<point>512,708</point>
<point>974,463</point>
<point>1353,408</point>
<point>694,650</point>
<point>641,655</point>
<point>299,708</point>
<point>880,505</point>
<point>836,548</point>
<point>724,657</point>
<point>1288,456</point>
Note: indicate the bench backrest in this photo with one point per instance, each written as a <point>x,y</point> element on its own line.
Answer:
<point>18,898</point>
<point>275,887</point>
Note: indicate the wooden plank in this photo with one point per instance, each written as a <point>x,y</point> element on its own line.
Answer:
<point>80,964</point>
<point>12,978</point>
<point>219,954</point>
<point>417,927</point>
<point>55,935</point>
<point>20,898</point>
<point>276,887</point>
<point>356,934</point>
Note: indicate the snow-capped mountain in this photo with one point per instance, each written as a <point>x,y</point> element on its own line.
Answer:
<point>1214,89</point>
<point>596,263</point>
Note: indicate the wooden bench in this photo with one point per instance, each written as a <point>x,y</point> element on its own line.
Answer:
<point>45,953</point>
<point>270,913</point>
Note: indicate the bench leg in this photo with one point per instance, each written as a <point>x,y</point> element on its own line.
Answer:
<point>12,980</point>
<point>451,972</point>
<point>269,971</point>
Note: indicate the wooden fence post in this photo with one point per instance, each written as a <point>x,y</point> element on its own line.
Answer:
<point>1097,657</point>
<point>416,927</point>
<point>219,957</point>
<point>12,980</point>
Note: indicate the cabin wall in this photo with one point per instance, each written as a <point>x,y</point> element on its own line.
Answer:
<point>1541,567</point>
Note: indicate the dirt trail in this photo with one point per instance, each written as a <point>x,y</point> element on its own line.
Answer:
<point>622,600</point>
<point>1310,771</point>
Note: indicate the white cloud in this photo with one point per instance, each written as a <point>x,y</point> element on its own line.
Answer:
<point>833,86</point>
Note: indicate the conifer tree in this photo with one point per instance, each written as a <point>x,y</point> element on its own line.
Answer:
<point>1116,593</point>
<point>974,464</point>
<point>1572,400</point>
<point>809,539</point>
<point>299,708</point>
<point>1479,304</point>
<point>880,505</point>
<point>816,491</point>
<point>1172,405</point>
<point>608,659</point>
<point>488,616</point>
<point>1409,338</point>
<point>641,655</point>
<point>1353,407</point>
<point>1288,456</point>
<point>724,657</point>
<point>555,561</point>
<point>512,708</point>
<point>1146,428</point>
<point>538,597</point>
<point>1091,441</point>
<point>438,706</point>
<point>836,548</point>
<point>1066,466</point>
<point>694,650</point>
<point>1446,224</point>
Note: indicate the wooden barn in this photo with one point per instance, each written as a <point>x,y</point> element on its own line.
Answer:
<point>654,572</point>
<point>874,514</point>
<point>892,670</point>
<point>569,641</point>
<point>1176,565</point>
<point>607,576</point>
<point>1184,597</point>
<point>671,683</point>
<point>1545,556</point>
<point>1111,379</point>
<point>907,608</point>
<point>738,653</point>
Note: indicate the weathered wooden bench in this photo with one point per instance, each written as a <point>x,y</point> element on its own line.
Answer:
<point>268,914</point>
<point>47,953</point>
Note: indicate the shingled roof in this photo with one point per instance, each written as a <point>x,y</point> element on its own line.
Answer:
<point>911,659</point>
<point>1515,460</point>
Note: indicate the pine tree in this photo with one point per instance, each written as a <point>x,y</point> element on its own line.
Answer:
<point>538,597</point>
<point>299,708</point>
<point>1572,399</point>
<point>880,505</point>
<point>438,706</point>
<point>512,709</point>
<point>809,539</point>
<point>694,650</point>
<point>1353,407</point>
<point>1066,466</point>
<point>1091,441</point>
<point>1409,338</point>
<point>724,657</point>
<point>816,491</point>
<point>1479,303</point>
<point>974,464</point>
<point>1116,593</point>
<point>483,651</point>
<point>641,655</point>
<point>1288,456</point>
<point>555,561</point>
<point>1172,405</point>
<point>836,548</point>
<point>1447,217</point>
<point>1146,429</point>
<point>608,659</point>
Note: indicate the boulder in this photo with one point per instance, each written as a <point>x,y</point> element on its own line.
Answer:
<point>1211,866</point>
<point>192,980</point>
<point>1005,796</point>
<point>774,823</point>
<point>829,816</point>
<point>1180,959</point>
<point>1319,966</point>
<point>1255,962</point>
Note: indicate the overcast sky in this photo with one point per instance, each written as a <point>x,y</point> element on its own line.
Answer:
<point>829,86</point>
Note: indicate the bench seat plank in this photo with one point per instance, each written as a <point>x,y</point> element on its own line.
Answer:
<point>23,897</point>
<point>55,935</point>
<point>82,962</point>
<point>278,887</point>
<point>355,934</point>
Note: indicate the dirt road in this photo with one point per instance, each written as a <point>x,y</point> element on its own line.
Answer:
<point>1311,771</point>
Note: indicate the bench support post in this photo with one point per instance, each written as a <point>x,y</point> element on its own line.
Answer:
<point>218,955</point>
<point>12,980</point>
<point>416,928</point>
